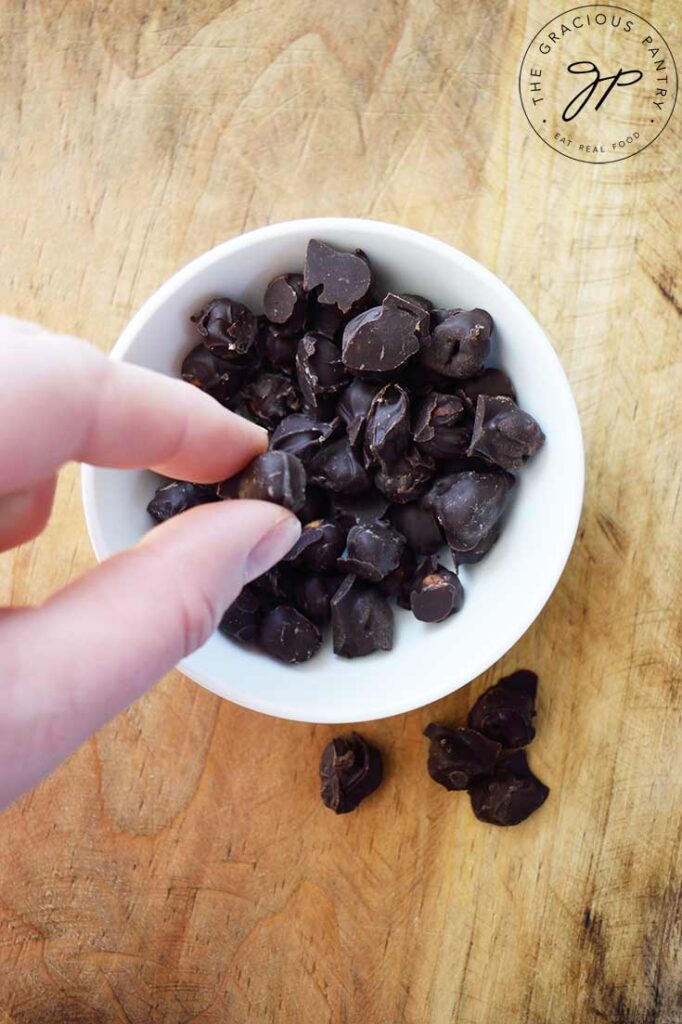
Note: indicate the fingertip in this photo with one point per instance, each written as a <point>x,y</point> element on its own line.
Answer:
<point>273,546</point>
<point>214,442</point>
<point>25,514</point>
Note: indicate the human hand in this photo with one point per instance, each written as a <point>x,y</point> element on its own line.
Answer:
<point>95,646</point>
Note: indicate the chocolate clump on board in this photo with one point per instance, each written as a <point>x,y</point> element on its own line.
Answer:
<point>318,368</point>
<point>491,382</point>
<point>503,433</point>
<point>242,619</point>
<point>418,526</point>
<point>338,468</point>
<point>217,377</point>
<point>383,338</point>
<point>350,769</point>
<point>342,277</point>
<point>357,509</point>
<point>318,548</point>
<point>354,405</point>
<point>511,794</point>
<point>505,712</point>
<point>437,428</point>
<point>313,595</point>
<point>436,596</point>
<point>275,476</point>
<point>288,635</point>
<point>177,496</point>
<point>301,434</point>
<point>459,756</point>
<point>407,478</point>
<point>387,431</point>
<point>229,328</point>
<point>468,505</point>
<point>362,620</point>
<point>459,343</point>
<point>373,550</point>
<point>270,398</point>
<point>285,302</point>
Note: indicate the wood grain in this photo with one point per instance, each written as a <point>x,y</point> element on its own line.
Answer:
<point>180,866</point>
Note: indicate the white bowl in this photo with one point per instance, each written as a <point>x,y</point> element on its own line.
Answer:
<point>504,593</point>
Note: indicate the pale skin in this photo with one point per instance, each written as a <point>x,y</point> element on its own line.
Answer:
<point>98,644</point>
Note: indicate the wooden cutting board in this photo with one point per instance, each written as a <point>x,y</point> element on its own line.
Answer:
<point>180,866</point>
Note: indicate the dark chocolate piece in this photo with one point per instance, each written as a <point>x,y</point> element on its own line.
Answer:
<point>418,300</point>
<point>313,595</point>
<point>242,619</point>
<point>464,463</point>
<point>228,489</point>
<point>467,506</point>
<point>437,428</point>
<point>217,377</point>
<point>315,506</point>
<point>301,435</point>
<point>318,547</point>
<point>289,636</point>
<point>421,567</point>
<point>399,581</point>
<point>270,398</point>
<point>505,712</point>
<point>511,794</point>
<point>276,586</point>
<point>407,478</point>
<point>459,343</point>
<point>481,550</point>
<point>383,338</point>
<point>362,621</point>
<point>342,277</point>
<point>177,496</point>
<point>350,770</point>
<point>326,319</point>
<point>491,382</point>
<point>356,509</point>
<point>436,596</point>
<point>285,301</point>
<point>372,551</point>
<point>418,526</point>
<point>229,328</point>
<point>420,380</point>
<point>318,367</point>
<point>280,349</point>
<point>354,405</point>
<point>459,756</point>
<point>387,432</point>
<point>275,476</point>
<point>337,467</point>
<point>503,433</point>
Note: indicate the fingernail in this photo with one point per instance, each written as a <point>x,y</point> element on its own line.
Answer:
<point>272,547</point>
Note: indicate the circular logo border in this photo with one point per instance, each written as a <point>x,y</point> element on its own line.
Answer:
<point>577,159</point>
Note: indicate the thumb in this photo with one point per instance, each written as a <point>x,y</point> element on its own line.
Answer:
<point>95,646</point>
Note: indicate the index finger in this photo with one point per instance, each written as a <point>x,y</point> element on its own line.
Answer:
<point>62,400</point>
